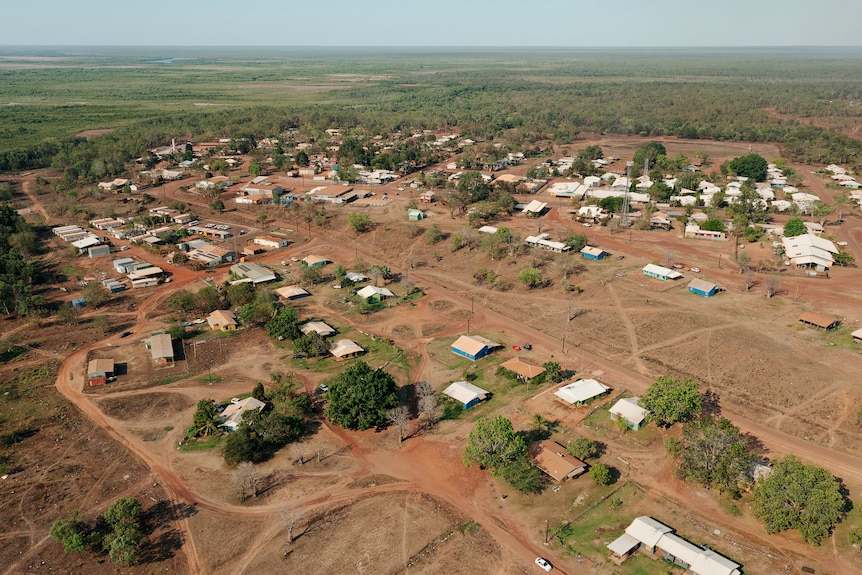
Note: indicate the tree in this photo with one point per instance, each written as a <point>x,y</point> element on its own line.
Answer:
<point>794,227</point>
<point>359,397</point>
<point>217,206</point>
<point>844,258</point>
<point>259,393</point>
<point>72,532</point>
<point>312,344</point>
<point>582,448</point>
<point>671,400</point>
<point>474,186</point>
<point>840,202</point>
<point>522,475</point>
<point>95,294</point>
<point>302,159</point>
<point>601,474</point>
<point>651,152</point>
<point>576,242</point>
<point>124,516</point>
<point>713,225</point>
<point>612,204</point>
<point>204,419</point>
<point>533,278</point>
<point>434,234</point>
<point>773,286</point>
<point>798,496</point>
<point>429,410</point>
<point>493,443</point>
<point>246,479</point>
<point>821,211</point>
<point>400,418</point>
<point>553,372</point>
<point>752,166</point>
<point>243,444</point>
<point>284,324</point>
<point>240,294</point>
<point>715,454</point>
<point>359,221</point>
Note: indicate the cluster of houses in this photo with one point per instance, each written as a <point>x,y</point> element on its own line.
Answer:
<point>140,273</point>
<point>83,240</point>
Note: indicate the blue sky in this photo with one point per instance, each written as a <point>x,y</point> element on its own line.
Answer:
<point>575,23</point>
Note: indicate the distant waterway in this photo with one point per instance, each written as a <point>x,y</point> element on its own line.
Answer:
<point>167,60</point>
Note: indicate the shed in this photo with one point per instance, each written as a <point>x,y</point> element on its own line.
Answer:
<point>629,409</point>
<point>555,461</point>
<point>99,251</point>
<point>161,348</point>
<point>523,369</point>
<point>581,391</point>
<point>473,346</point>
<point>257,274</point>
<point>857,335</point>
<point>534,208</point>
<point>819,320</point>
<point>593,253</point>
<point>466,393</point>
<point>703,287</point>
<point>415,215</point>
<point>99,371</point>
<point>79,302</point>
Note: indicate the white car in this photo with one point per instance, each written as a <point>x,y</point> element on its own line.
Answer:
<point>586,225</point>
<point>543,563</point>
<point>696,270</point>
<point>840,243</point>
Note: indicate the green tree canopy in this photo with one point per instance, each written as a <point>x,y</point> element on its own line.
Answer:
<point>284,324</point>
<point>359,221</point>
<point>794,227</point>
<point>750,166</point>
<point>601,474</point>
<point>713,225</point>
<point>612,204</point>
<point>715,454</point>
<point>243,444</point>
<point>798,496</point>
<point>204,419</point>
<point>672,400</point>
<point>493,443</point>
<point>583,448</point>
<point>650,152</point>
<point>576,242</point>
<point>359,397</point>
<point>533,278</point>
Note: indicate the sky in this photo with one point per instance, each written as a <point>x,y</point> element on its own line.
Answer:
<point>552,23</point>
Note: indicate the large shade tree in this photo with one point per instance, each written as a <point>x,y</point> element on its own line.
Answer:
<point>359,397</point>
<point>672,400</point>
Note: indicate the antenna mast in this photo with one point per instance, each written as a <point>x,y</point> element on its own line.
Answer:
<point>625,215</point>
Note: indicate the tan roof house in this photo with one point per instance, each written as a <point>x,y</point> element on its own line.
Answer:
<point>555,461</point>
<point>222,320</point>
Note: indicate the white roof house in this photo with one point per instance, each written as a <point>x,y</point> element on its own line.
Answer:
<point>356,277</point>
<point>465,393</point>
<point>629,408</point>
<point>231,417</point>
<point>317,326</point>
<point>371,291</point>
<point>660,272</point>
<point>292,292</point>
<point>535,207</point>
<point>808,250</point>
<point>345,348</point>
<point>581,391</point>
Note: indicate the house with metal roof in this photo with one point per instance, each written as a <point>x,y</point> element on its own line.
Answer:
<point>344,348</point>
<point>660,273</point>
<point>222,320</point>
<point>232,415</point>
<point>99,371</point>
<point>581,391</point>
<point>553,459</point>
<point>313,261</point>
<point>473,346</point>
<point>319,327</point>
<point>466,393</point>
<point>161,348</point>
<point>819,320</point>
<point>524,370</point>
<point>593,253</point>
<point>374,293</point>
<point>809,251</point>
<point>630,410</point>
<point>658,541</point>
<point>703,287</point>
<point>292,292</point>
<point>257,274</point>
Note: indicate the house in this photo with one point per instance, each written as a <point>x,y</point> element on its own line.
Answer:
<point>534,208</point>
<point>313,261</point>
<point>466,393</point>
<point>660,273</point>
<point>148,273</point>
<point>232,415</point>
<point>87,242</point>
<point>857,335</point>
<point>271,242</point>
<point>703,287</point>
<point>78,302</point>
<point>99,371</point>
<point>161,348</point>
<point>222,320</point>
<point>255,273</point>
<point>99,251</point>
<point>819,320</point>
<point>658,541</point>
<point>211,255</point>
<point>553,459</point>
<point>593,253</point>
<point>114,185</point>
<point>415,215</point>
<point>488,230</point>
<point>630,410</point>
<point>693,230</point>
<point>210,231</point>
<point>356,277</point>
<point>473,346</point>
<point>374,293</point>
<point>542,241</point>
<point>426,197</point>
<point>809,251</point>
<point>344,348</point>
<point>568,190</point>
<point>581,391</point>
<point>113,286</point>
<point>319,327</point>
<point>214,183</point>
<point>593,213</point>
<point>523,369</point>
<point>292,292</point>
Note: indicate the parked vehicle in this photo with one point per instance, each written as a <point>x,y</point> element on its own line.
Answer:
<point>516,347</point>
<point>528,346</point>
<point>125,334</point>
<point>543,563</point>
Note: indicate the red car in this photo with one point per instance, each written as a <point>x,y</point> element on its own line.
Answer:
<point>516,347</point>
